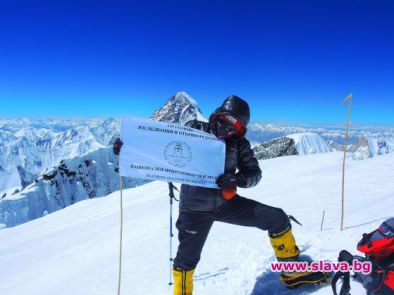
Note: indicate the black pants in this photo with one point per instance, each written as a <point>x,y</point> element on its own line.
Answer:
<point>194,227</point>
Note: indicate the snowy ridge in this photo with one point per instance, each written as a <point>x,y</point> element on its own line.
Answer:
<point>29,147</point>
<point>259,132</point>
<point>80,178</point>
<point>368,147</point>
<point>279,147</point>
<point>79,245</point>
<point>309,143</point>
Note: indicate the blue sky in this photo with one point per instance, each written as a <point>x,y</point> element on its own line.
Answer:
<point>293,61</point>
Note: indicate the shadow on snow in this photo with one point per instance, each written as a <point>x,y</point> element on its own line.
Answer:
<point>268,283</point>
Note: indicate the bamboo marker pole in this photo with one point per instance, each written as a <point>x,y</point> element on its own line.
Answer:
<point>348,98</point>
<point>322,221</point>
<point>121,234</point>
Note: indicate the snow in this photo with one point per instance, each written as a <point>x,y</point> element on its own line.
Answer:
<point>180,108</point>
<point>309,143</point>
<point>261,132</point>
<point>80,178</point>
<point>12,182</point>
<point>379,145</point>
<point>35,145</point>
<point>75,250</point>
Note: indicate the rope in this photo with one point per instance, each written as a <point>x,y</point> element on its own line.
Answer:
<point>121,233</point>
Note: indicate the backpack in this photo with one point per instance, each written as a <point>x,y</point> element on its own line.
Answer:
<point>378,247</point>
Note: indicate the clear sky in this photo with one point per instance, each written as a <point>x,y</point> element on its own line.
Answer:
<point>293,61</point>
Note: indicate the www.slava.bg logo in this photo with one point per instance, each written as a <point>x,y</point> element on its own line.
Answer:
<point>178,153</point>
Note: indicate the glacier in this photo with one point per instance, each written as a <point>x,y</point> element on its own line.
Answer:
<point>28,147</point>
<point>309,143</point>
<point>80,178</point>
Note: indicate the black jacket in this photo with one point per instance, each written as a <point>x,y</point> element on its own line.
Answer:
<point>239,155</point>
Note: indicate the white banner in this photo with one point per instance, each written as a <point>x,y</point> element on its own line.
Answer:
<point>170,152</point>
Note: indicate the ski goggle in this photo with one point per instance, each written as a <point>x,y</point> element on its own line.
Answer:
<point>228,124</point>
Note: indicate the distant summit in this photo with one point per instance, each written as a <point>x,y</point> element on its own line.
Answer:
<point>180,108</point>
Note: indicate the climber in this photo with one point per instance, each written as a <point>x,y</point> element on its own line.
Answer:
<point>200,206</point>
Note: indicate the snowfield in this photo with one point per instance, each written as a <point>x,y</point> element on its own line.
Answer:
<point>75,250</point>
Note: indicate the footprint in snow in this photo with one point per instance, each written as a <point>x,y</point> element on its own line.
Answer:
<point>207,275</point>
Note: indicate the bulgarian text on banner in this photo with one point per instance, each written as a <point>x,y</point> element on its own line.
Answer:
<point>170,152</point>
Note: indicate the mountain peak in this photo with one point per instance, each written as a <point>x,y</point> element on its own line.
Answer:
<point>183,97</point>
<point>180,108</point>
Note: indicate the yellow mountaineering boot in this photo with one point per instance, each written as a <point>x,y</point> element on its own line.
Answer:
<point>284,245</point>
<point>183,281</point>
<point>286,250</point>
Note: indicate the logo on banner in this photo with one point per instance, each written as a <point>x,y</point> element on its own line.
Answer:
<point>178,153</point>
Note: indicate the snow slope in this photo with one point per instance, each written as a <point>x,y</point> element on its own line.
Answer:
<point>75,250</point>
<point>309,143</point>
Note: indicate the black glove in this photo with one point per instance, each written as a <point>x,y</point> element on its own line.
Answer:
<point>227,180</point>
<point>117,146</point>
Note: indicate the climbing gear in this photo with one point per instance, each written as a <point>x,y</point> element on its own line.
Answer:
<point>284,245</point>
<point>171,187</point>
<point>237,107</point>
<point>378,247</point>
<point>229,193</point>
<point>227,180</point>
<point>225,125</point>
<point>294,279</point>
<point>286,250</point>
<point>183,281</point>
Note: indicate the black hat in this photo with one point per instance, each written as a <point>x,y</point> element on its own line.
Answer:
<point>237,107</point>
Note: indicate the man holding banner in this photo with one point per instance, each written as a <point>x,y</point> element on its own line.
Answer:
<point>209,188</point>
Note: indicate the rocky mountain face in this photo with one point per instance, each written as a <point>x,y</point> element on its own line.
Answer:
<point>180,108</point>
<point>380,144</point>
<point>292,144</point>
<point>73,180</point>
<point>57,163</point>
<point>335,146</point>
<point>367,146</point>
<point>29,147</point>
<point>278,147</point>
<point>360,150</point>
